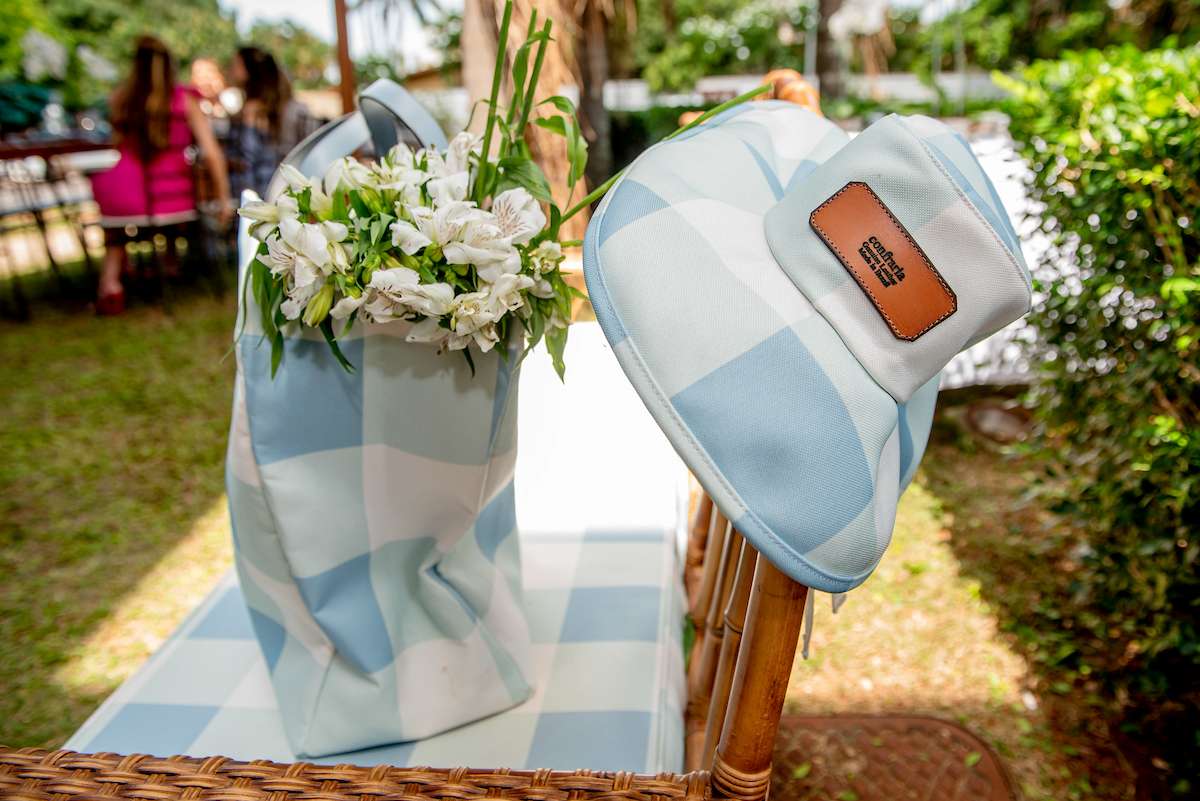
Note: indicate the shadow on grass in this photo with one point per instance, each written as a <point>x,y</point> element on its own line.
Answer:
<point>113,434</point>
<point>1022,560</point>
<point>944,626</point>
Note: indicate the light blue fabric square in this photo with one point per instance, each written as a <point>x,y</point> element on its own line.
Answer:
<point>611,740</point>
<point>288,415</point>
<point>597,614</point>
<point>406,401</point>
<point>404,578</point>
<point>342,600</point>
<point>227,619</point>
<point>496,522</point>
<point>175,727</point>
<point>271,636</point>
<point>753,410</point>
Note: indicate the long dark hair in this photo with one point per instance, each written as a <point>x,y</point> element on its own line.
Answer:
<point>141,107</point>
<point>267,84</point>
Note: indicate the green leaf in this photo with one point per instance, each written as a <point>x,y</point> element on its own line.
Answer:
<point>359,206</point>
<point>276,352</point>
<point>577,153</point>
<point>338,207</point>
<point>556,344</point>
<point>554,124</point>
<point>330,338</point>
<point>972,759</point>
<point>802,770</point>
<point>561,103</point>
<point>525,173</point>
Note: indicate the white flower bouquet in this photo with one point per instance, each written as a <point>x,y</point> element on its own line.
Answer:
<point>455,244</point>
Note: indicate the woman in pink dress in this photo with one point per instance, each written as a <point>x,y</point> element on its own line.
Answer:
<point>155,121</point>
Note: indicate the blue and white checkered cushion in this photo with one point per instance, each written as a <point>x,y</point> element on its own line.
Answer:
<point>775,379</point>
<point>600,575</point>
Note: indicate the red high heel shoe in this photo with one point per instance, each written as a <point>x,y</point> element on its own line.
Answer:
<point>110,305</point>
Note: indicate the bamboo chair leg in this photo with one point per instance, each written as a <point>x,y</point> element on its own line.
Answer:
<point>698,613</point>
<point>735,621</point>
<point>693,566</point>
<point>703,668</point>
<point>742,766</point>
<point>714,542</point>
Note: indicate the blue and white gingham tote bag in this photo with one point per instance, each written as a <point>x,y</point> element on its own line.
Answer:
<point>374,522</point>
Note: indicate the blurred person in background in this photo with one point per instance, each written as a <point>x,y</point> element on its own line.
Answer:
<point>209,82</point>
<point>155,121</point>
<point>269,124</point>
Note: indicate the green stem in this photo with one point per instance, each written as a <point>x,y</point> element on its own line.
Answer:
<point>519,91</point>
<point>501,51</point>
<point>599,191</point>
<point>591,197</point>
<point>715,110</point>
<point>536,73</point>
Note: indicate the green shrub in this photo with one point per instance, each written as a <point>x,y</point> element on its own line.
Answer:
<point>1113,143</point>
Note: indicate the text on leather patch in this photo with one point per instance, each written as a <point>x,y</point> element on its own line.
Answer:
<point>884,260</point>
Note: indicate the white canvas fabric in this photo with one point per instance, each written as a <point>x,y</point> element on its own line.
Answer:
<point>908,162</point>
<point>784,392</point>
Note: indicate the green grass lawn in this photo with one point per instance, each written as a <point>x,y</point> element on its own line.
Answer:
<point>111,514</point>
<point>943,625</point>
<point>113,526</point>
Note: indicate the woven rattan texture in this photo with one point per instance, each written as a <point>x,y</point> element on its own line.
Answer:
<point>37,775</point>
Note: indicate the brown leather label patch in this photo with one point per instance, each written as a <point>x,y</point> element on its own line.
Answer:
<point>885,261</point>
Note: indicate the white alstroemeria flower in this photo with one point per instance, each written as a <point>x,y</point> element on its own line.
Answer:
<point>509,265</point>
<point>318,242</point>
<point>408,237</point>
<point>398,292</point>
<point>506,292</point>
<point>448,189</point>
<point>518,215</point>
<point>347,173</point>
<point>481,243</point>
<point>400,155</point>
<point>407,183</point>
<point>300,293</point>
<point>427,330</point>
<point>346,307</point>
<point>542,289</point>
<point>546,256</point>
<point>486,338</point>
<point>297,182</point>
<point>265,216</point>
<point>440,227</point>
<point>457,157</point>
<point>471,311</point>
<point>280,258</point>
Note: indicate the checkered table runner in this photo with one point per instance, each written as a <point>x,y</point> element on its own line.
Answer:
<point>599,500</point>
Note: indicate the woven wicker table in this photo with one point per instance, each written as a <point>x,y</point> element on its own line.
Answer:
<point>29,774</point>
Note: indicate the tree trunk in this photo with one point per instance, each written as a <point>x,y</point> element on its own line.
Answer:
<point>479,30</point>
<point>593,68</point>
<point>481,26</point>
<point>829,60</point>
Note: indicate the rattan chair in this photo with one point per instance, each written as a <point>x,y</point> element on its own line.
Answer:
<point>747,617</point>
